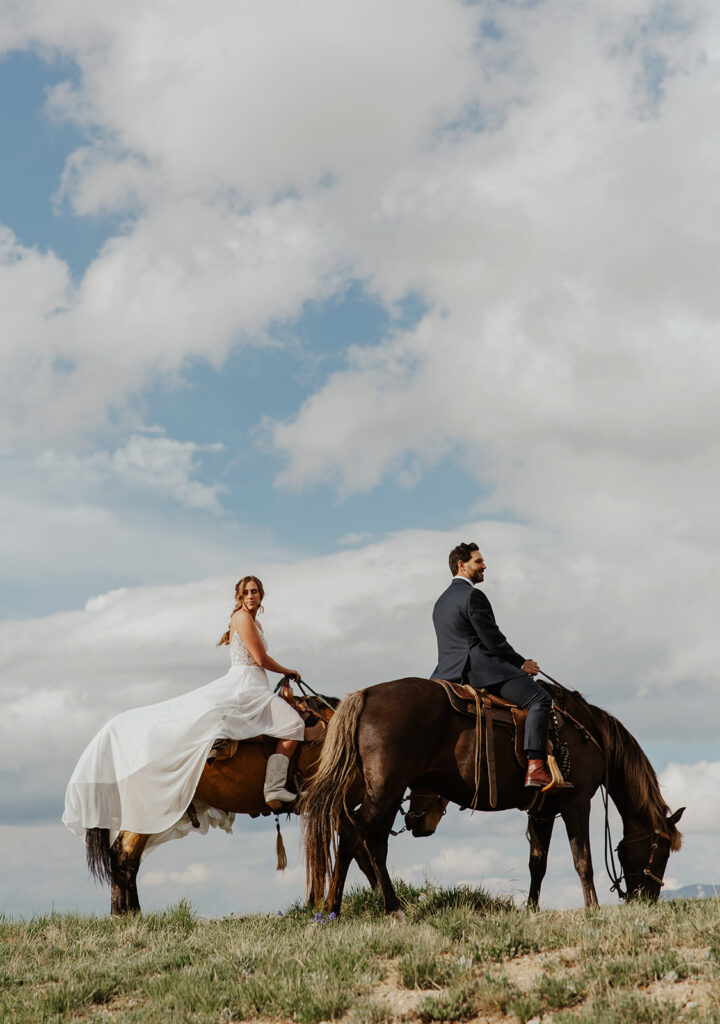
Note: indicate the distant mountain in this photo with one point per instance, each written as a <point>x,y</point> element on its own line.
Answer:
<point>692,892</point>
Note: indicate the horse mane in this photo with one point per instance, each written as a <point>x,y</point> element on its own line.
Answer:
<point>628,761</point>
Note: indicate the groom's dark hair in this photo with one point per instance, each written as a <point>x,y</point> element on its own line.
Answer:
<point>461,554</point>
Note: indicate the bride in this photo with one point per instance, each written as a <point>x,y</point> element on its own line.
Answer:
<point>139,773</point>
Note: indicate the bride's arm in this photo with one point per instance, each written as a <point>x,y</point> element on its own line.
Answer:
<point>245,625</point>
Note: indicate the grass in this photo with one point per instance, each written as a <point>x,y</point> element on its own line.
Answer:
<point>460,955</point>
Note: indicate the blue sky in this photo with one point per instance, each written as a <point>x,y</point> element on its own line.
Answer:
<point>35,148</point>
<point>315,295</point>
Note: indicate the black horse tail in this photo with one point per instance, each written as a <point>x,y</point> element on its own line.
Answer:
<point>97,845</point>
<point>324,804</point>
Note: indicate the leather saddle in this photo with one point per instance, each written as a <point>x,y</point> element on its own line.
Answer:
<point>466,700</point>
<point>490,711</point>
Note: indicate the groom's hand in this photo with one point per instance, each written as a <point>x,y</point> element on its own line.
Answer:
<point>531,667</point>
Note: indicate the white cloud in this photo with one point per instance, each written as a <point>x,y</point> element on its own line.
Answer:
<point>227,165</point>
<point>460,864</point>
<point>193,874</point>
<point>568,356</point>
<point>153,463</point>
<point>58,549</point>
<point>564,249</point>
<point>347,620</point>
<point>144,509</point>
<point>351,539</point>
<point>696,786</point>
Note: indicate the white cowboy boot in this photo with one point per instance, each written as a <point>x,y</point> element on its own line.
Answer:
<point>275,779</point>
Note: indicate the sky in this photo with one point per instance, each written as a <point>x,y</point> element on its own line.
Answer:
<point>314,292</point>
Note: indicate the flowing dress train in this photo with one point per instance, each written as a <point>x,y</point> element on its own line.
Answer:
<point>140,771</point>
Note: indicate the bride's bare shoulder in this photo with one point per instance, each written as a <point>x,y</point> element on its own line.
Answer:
<point>242,620</point>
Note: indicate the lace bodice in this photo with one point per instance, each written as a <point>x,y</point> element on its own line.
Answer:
<point>239,654</point>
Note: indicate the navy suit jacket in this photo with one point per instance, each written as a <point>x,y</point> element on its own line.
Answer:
<point>471,648</point>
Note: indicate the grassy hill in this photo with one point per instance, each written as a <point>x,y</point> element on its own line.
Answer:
<point>460,955</point>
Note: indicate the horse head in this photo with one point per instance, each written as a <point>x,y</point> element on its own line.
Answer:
<point>425,811</point>
<point>644,857</point>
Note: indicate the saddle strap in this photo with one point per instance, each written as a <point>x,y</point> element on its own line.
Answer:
<point>478,744</point>
<point>490,752</point>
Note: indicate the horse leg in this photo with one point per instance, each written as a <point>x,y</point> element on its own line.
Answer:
<point>349,847</point>
<point>539,833</point>
<point>125,861</point>
<point>364,863</point>
<point>577,823</point>
<point>375,834</point>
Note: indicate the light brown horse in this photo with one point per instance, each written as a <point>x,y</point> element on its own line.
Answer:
<point>404,734</point>
<point>232,785</point>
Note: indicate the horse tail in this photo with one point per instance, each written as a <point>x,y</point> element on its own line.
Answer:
<point>97,845</point>
<point>324,805</point>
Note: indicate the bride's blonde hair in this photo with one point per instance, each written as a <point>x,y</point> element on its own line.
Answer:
<point>239,587</point>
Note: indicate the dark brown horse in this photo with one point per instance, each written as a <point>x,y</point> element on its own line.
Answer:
<point>233,785</point>
<point>404,734</point>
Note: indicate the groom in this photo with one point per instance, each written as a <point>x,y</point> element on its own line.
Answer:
<point>471,649</point>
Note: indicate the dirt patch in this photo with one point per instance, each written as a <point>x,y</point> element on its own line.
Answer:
<point>524,971</point>
<point>392,992</point>
<point>685,994</point>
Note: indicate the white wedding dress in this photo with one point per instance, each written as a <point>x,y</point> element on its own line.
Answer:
<point>139,773</point>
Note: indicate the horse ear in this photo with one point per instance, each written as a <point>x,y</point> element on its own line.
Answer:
<point>675,818</point>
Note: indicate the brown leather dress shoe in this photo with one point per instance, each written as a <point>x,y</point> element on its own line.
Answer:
<point>538,774</point>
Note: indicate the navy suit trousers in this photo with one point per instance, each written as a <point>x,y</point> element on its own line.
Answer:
<point>525,691</point>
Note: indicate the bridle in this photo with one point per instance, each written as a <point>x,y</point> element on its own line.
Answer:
<point>640,837</point>
<point>655,835</point>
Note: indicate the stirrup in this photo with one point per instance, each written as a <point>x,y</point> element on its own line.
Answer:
<point>557,781</point>
<point>280,800</point>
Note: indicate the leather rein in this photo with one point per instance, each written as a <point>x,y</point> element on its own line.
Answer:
<point>306,691</point>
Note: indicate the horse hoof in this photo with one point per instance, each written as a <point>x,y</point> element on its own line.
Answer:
<point>399,915</point>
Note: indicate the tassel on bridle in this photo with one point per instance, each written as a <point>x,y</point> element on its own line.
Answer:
<point>280,847</point>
